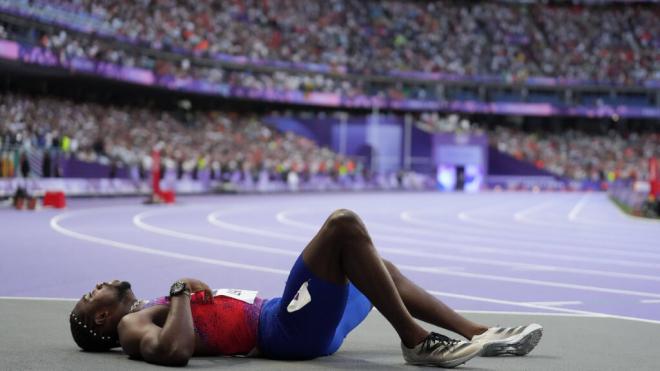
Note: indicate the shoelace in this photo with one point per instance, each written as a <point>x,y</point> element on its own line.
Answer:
<point>435,340</point>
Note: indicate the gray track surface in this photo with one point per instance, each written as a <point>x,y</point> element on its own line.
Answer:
<point>554,253</point>
<point>35,336</point>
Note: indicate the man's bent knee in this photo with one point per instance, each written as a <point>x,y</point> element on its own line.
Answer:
<point>345,222</point>
<point>343,216</point>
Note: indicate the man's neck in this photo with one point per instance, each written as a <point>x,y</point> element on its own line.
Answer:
<point>137,305</point>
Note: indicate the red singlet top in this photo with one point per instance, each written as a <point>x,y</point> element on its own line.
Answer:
<point>227,326</point>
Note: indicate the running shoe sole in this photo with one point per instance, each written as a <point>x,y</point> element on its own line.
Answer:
<point>518,346</point>
<point>448,364</point>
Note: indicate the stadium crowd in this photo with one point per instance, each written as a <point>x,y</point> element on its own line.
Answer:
<point>232,143</point>
<point>69,46</point>
<point>613,43</point>
<point>591,155</point>
<point>581,155</point>
<point>227,144</point>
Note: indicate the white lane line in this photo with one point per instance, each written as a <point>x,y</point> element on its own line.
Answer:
<point>558,246</point>
<point>55,225</point>
<point>523,217</point>
<point>579,314</point>
<point>284,217</point>
<point>532,268</point>
<point>35,298</point>
<point>466,217</point>
<point>467,240</point>
<point>214,218</point>
<point>432,270</point>
<point>594,231</point>
<point>573,214</point>
<point>522,214</point>
<point>503,312</point>
<point>516,303</point>
<point>551,308</point>
<point>406,216</point>
<point>138,221</point>
<point>591,235</point>
<point>523,313</point>
<point>555,303</point>
<point>526,281</point>
<point>650,301</point>
<point>475,234</point>
<point>130,247</point>
<point>631,221</point>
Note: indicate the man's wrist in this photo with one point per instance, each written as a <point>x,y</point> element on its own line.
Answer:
<point>179,288</point>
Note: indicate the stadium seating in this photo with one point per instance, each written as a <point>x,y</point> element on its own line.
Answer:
<point>612,43</point>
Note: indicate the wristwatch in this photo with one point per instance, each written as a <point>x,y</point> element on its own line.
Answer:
<point>178,288</point>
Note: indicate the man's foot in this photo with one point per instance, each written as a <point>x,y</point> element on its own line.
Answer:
<point>439,350</point>
<point>517,341</point>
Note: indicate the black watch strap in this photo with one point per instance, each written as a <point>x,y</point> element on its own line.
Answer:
<point>179,288</point>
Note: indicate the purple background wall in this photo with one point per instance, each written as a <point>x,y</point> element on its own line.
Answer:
<point>362,138</point>
<point>326,132</point>
<point>500,163</point>
<point>74,168</point>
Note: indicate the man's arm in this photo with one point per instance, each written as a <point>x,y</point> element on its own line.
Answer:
<point>171,345</point>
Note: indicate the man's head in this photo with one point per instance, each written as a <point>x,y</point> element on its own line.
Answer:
<point>95,317</point>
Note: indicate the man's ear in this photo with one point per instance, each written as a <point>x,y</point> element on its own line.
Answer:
<point>101,316</point>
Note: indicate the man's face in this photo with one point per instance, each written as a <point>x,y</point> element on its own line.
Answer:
<point>105,296</point>
<point>98,313</point>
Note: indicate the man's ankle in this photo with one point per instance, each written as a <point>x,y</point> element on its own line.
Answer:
<point>478,330</point>
<point>413,341</point>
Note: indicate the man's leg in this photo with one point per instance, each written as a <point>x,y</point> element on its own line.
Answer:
<point>347,227</point>
<point>428,308</point>
<point>342,250</point>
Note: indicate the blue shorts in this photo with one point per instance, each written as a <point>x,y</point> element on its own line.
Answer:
<point>318,327</point>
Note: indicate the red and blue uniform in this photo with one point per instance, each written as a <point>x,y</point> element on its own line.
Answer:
<point>318,326</point>
<point>284,327</point>
<point>227,326</point>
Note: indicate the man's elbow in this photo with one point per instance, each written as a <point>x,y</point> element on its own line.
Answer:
<point>175,360</point>
<point>178,360</point>
<point>177,357</point>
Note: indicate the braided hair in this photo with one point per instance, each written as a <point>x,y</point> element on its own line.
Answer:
<point>88,337</point>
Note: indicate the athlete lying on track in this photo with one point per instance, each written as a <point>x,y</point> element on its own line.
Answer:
<point>330,290</point>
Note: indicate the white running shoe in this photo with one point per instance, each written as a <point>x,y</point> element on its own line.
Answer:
<point>517,341</point>
<point>439,350</point>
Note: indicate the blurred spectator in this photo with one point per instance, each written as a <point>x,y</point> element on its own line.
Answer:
<point>613,43</point>
<point>581,155</point>
<point>225,142</point>
<point>572,153</point>
<point>231,144</point>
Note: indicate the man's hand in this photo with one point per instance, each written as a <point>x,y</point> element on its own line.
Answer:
<point>171,344</point>
<point>196,285</point>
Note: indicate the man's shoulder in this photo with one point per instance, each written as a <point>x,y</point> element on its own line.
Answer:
<point>133,327</point>
<point>141,318</point>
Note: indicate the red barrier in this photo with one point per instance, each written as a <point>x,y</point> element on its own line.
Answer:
<point>654,178</point>
<point>168,197</point>
<point>155,171</point>
<point>55,199</point>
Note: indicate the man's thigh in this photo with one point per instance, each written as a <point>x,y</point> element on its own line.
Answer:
<point>323,256</point>
<point>302,323</point>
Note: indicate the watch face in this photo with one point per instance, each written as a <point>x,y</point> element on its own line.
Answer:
<point>177,288</point>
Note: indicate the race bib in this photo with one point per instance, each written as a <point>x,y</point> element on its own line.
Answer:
<point>246,296</point>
